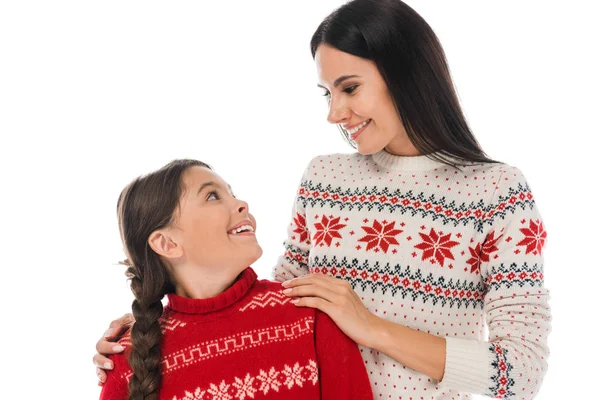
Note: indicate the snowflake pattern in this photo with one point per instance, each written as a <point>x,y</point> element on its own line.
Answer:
<point>436,247</point>
<point>301,229</point>
<point>380,235</point>
<point>326,230</point>
<point>481,253</point>
<point>197,395</point>
<point>535,237</point>
<point>264,382</point>
<point>220,392</point>
<point>269,380</point>
<point>244,387</point>
<point>293,376</point>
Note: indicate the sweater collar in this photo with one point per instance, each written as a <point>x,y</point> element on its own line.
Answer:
<point>203,306</point>
<point>405,163</point>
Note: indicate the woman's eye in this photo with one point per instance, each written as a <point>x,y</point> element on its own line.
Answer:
<point>350,89</point>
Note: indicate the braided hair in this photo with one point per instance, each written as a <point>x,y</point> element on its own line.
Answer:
<point>144,206</point>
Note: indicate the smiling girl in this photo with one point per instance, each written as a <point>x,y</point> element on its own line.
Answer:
<point>224,334</point>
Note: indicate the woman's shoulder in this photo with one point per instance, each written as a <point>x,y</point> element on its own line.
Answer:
<point>497,171</point>
<point>327,167</point>
<point>336,159</point>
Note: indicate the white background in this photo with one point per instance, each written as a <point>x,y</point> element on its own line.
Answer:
<point>93,94</point>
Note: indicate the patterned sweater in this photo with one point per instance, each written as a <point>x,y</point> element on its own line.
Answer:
<point>454,253</point>
<point>249,342</point>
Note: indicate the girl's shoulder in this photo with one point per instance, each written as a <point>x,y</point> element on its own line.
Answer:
<point>267,297</point>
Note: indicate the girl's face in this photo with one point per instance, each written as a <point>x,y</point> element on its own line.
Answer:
<point>360,102</point>
<point>214,229</point>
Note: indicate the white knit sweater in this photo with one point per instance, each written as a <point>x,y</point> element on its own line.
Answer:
<point>439,250</point>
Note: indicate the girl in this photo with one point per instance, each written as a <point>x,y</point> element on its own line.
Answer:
<point>224,334</point>
<point>418,243</point>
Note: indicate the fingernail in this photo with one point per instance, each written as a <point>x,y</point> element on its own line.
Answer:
<point>294,301</point>
<point>285,283</point>
<point>109,332</point>
<point>118,348</point>
<point>107,365</point>
<point>287,290</point>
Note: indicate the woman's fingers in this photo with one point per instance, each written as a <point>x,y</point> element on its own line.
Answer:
<point>101,376</point>
<point>118,326</point>
<point>314,302</point>
<point>305,279</point>
<point>316,285</point>
<point>108,345</point>
<point>102,362</point>
<point>312,290</point>
<point>103,346</point>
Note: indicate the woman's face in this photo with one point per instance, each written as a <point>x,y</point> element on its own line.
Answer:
<point>215,229</point>
<point>360,102</point>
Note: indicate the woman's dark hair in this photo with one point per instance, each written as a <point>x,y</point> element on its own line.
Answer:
<point>145,205</point>
<point>413,64</point>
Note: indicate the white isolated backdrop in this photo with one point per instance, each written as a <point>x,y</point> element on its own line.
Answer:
<point>94,93</point>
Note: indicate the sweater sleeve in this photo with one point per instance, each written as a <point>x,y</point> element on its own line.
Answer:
<point>115,387</point>
<point>512,364</point>
<point>342,372</point>
<point>294,261</point>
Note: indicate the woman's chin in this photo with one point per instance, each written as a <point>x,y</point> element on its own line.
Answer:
<point>368,150</point>
<point>368,147</point>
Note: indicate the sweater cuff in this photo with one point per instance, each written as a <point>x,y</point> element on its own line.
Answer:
<point>468,366</point>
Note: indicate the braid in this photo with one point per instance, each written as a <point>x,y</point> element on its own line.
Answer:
<point>146,205</point>
<point>146,335</point>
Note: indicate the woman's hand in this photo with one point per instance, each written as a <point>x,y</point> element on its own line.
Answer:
<point>336,298</point>
<point>108,345</point>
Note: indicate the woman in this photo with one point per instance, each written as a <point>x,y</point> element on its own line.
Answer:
<point>224,334</point>
<point>418,242</point>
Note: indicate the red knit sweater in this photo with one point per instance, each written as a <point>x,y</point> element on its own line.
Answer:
<point>249,343</point>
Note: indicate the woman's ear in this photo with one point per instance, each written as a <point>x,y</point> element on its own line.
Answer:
<point>164,244</point>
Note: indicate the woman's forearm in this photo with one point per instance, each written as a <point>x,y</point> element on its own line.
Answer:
<point>420,351</point>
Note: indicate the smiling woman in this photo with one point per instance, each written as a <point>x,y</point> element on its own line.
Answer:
<point>360,102</point>
<point>383,70</point>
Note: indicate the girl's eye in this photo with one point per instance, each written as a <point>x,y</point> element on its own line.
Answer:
<point>326,94</point>
<point>213,196</point>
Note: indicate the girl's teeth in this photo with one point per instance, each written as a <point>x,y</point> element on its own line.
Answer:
<point>243,228</point>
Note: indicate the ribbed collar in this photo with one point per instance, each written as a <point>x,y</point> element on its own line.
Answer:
<point>405,163</point>
<point>203,306</point>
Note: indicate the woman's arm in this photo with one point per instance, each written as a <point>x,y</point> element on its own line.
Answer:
<point>414,349</point>
<point>514,360</point>
<point>417,350</point>
<point>294,261</point>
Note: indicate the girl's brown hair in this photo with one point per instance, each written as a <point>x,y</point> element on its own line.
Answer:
<point>146,205</point>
